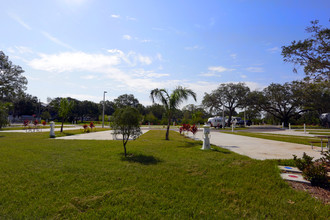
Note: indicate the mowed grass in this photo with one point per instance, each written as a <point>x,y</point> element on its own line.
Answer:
<point>49,178</point>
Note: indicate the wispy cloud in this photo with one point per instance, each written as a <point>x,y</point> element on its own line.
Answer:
<point>255,69</point>
<point>56,41</point>
<point>115,16</point>
<point>233,56</point>
<point>20,21</point>
<point>209,75</point>
<point>196,47</point>
<point>274,49</point>
<point>243,76</point>
<point>127,37</point>
<point>219,69</point>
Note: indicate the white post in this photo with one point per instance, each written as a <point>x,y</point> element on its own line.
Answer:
<point>290,126</point>
<point>244,118</point>
<point>206,140</point>
<point>282,124</point>
<point>232,127</point>
<point>103,109</point>
<point>52,129</point>
<point>305,128</point>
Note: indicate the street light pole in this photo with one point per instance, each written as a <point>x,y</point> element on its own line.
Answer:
<point>103,108</point>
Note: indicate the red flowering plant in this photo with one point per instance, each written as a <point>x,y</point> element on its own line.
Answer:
<point>35,122</point>
<point>85,127</point>
<point>91,125</point>
<point>194,129</point>
<point>184,128</point>
<point>44,123</point>
<point>26,123</point>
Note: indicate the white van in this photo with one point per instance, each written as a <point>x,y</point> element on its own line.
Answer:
<point>216,122</point>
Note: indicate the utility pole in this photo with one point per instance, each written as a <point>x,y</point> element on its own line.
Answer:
<point>103,108</point>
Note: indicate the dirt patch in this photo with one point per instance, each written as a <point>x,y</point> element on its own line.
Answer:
<point>323,194</point>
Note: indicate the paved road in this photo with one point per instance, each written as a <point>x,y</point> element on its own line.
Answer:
<point>258,148</point>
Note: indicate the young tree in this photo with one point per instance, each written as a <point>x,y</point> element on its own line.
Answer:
<point>65,109</point>
<point>4,114</point>
<point>229,95</point>
<point>126,121</point>
<point>312,53</point>
<point>171,101</point>
<point>11,80</point>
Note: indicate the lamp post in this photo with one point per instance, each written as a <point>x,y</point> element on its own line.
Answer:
<point>103,108</point>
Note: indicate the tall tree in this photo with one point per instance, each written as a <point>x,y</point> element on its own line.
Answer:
<point>126,100</point>
<point>126,121</point>
<point>11,80</point>
<point>312,53</point>
<point>228,95</point>
<point>171,101</point>
<point>65,109</point>
<point>282,101</point>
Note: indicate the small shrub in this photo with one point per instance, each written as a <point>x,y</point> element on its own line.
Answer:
<point>315,172</point>
<point>85,127</point>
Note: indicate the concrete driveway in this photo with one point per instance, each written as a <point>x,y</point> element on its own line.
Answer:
<point>258,148</point>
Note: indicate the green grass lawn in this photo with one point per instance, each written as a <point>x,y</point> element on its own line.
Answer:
<point>49,178</point>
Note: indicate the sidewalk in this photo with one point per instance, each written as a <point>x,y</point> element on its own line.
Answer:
<point>258,148</point>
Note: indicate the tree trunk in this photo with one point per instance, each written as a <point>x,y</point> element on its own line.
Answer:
<point>124,143</point>
<point>168,129</point>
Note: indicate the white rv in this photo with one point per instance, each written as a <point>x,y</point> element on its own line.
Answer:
<point>216,122</point>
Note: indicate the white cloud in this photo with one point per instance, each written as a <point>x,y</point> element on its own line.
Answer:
<point>20,50</point>
<point>88,77</point>
<point>255,69</point>
<point>144,60</point>
<point>73,61</point>
<point>159,57</point>
<point>219,69</point>
<point>115,16</point>
<point>127,37</point>
<point>209,75</point>
<point>55,40</point>
<point>196,47</point>
<point>233,55</point>
<point>274,49</point>
<point>243,76</point>
<point>20,21</point>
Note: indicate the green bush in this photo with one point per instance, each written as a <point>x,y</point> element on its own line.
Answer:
<point>315,172</point>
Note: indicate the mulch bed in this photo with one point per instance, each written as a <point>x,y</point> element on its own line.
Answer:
<point>323,194</point>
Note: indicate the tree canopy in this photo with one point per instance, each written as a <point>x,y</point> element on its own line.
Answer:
<point>228,95</point>
<point>126,121</point>
<point>312,53</point>
<point>281,101</point>
<point>11,80</point>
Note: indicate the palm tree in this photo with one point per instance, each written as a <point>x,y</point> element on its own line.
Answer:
<point>171,101</point>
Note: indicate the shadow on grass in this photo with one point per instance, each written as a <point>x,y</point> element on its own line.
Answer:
<point>186,144</point>
<point>220,150</point>
<point>140,158</point>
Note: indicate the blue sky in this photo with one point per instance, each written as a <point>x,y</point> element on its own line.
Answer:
<point>80,48</point>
